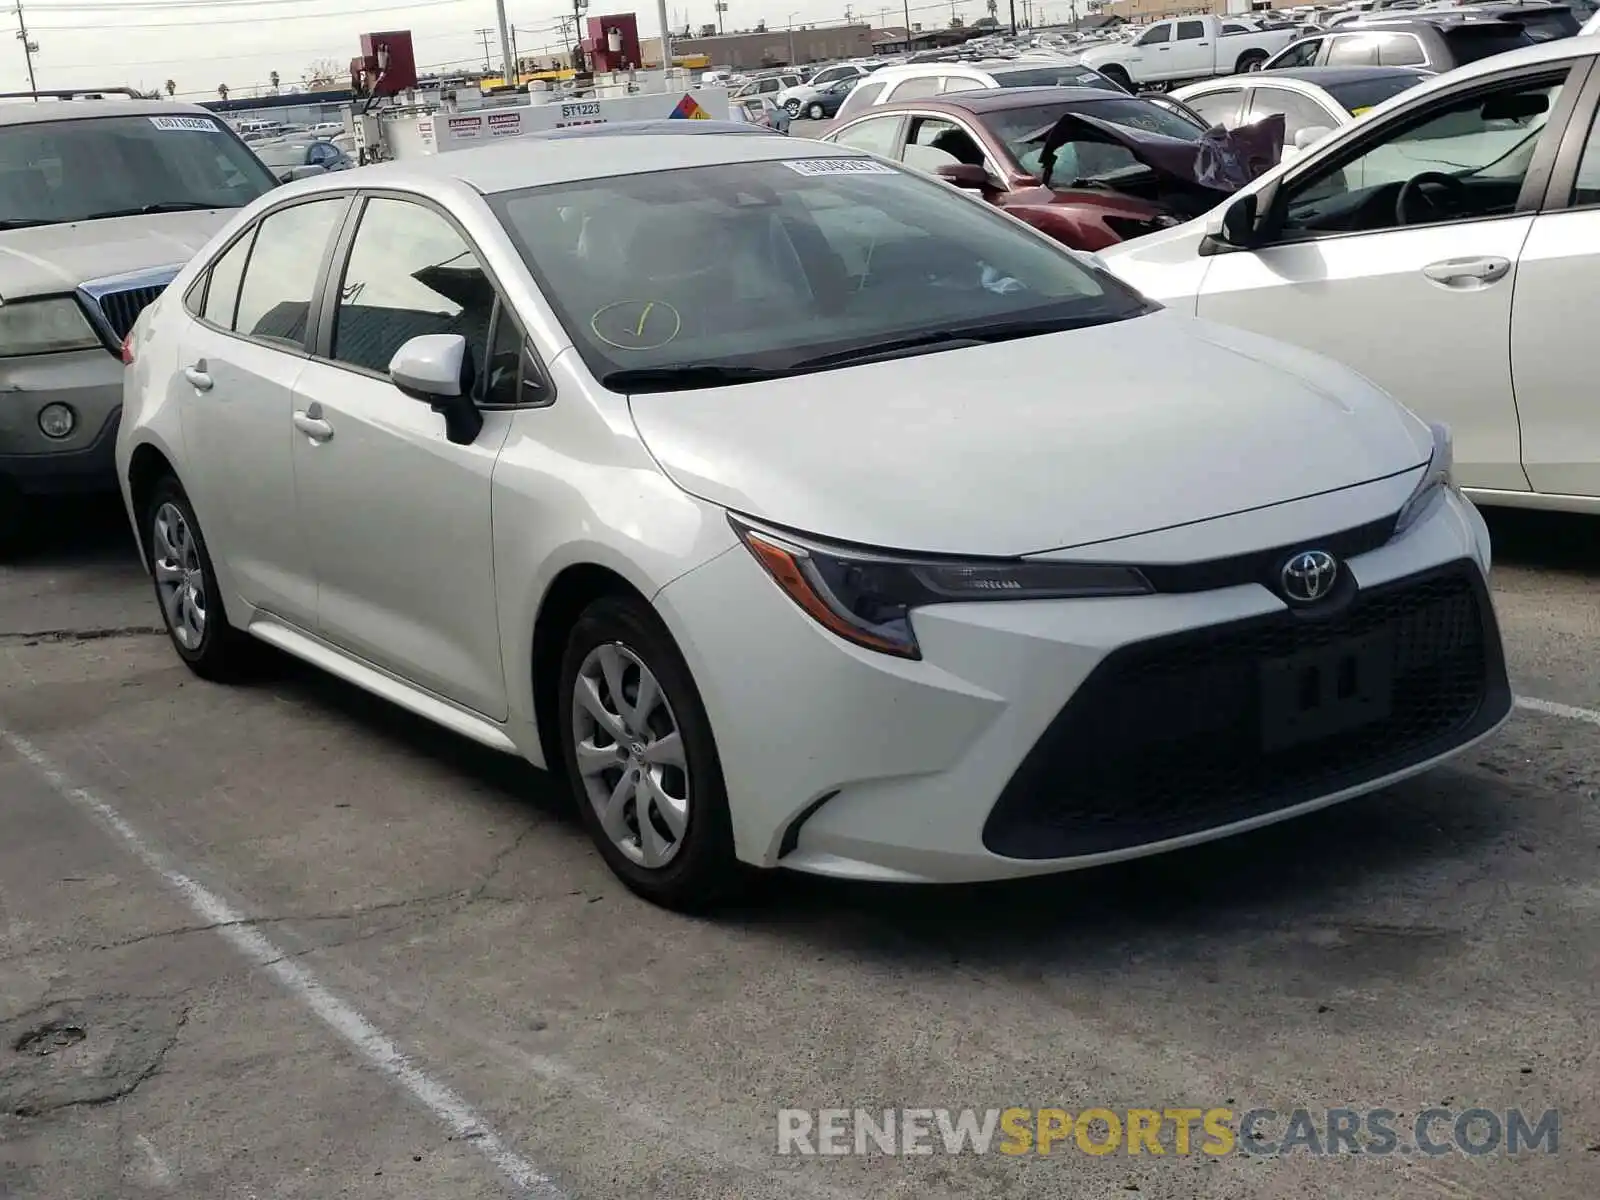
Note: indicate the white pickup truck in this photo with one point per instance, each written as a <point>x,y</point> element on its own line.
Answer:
<point>1186,48</point>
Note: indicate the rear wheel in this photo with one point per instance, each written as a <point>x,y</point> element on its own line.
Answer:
<point>816,112</point>
<point>1250,60</point>
<point>643,765</point>
<point>187,591</point>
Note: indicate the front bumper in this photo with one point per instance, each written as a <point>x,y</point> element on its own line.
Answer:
<point>1043,736</point>
<point>87,381</point>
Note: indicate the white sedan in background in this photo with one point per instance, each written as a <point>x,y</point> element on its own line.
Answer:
<point>801,509</point>
<point>1447,246</point>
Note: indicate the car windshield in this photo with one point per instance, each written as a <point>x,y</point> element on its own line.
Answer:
<point>81,169</point>
<point>1084,159</point>
<point>1358,95</point>
<point>765,266</point>
<point>1066,75</point>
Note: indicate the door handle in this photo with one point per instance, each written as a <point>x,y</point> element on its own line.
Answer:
<point>1468,272</point>
<point>197,377</point>
<point>313,427</point>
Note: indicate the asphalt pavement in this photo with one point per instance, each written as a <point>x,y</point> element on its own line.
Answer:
<point>284,941</point>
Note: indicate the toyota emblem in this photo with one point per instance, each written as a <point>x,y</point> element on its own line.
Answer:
<point>1309,576</point>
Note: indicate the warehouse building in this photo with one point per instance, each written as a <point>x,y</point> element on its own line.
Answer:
<point>752,50</point>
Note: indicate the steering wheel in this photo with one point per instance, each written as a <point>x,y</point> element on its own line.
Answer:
<point>1414,206</point>
<point>636,324</point>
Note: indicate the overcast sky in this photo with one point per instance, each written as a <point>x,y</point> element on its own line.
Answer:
<point>202,43</point>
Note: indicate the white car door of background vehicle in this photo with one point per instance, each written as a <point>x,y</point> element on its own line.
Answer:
<point>1552,319</point>
<point>1193,53</point>
<point>238,364</point>
<point>397,516</point>
<point>1419,301</point>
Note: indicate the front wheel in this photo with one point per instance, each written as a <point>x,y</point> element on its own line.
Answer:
<point>638,749</point>
<point>1119,76</point>
<point>187,589</point>
<point>792,107</point>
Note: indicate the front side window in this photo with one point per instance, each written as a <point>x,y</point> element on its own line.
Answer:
<point>275,298</point>
<point>410,273</point>
<point>688,277</point>
<point>1465,160</point>
<point>91,168</point>
<point>936,141</point>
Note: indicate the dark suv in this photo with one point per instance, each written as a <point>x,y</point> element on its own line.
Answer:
<point>102,200</point>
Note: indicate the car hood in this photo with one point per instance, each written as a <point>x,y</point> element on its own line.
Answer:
<point>51,259</point>
<point>1037,444</point>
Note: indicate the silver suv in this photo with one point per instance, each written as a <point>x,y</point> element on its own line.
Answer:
<point>102,199</point>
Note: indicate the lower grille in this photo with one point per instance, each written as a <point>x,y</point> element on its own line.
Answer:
<point>1190,732</point>
<point>122,309</point>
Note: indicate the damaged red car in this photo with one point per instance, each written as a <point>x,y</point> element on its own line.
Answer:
<point>1088,167</point>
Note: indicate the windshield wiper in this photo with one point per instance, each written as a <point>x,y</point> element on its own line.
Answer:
<point>27,222</point>
<point>165,206</point>
<point>673,376</point>
<point>957,338</point>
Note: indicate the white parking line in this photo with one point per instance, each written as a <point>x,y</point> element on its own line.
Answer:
<point>1566,711</point>
<point>353,1028</point>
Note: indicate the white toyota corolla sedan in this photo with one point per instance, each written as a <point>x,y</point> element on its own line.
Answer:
<point>802,510</point>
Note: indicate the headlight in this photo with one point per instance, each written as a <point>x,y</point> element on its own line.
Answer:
<point>867,598</point>
<point>1435,480</point>
<point>43,327</point>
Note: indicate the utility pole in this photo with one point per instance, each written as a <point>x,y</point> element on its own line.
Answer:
<point>29,48</point>
<point>484,34</point>
<point>722,7</point>
<point>906,5</point>
<point>516,56</point>
<point>505,40</point>
<point>1013,18</point>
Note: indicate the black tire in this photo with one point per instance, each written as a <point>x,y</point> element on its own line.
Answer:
<point>1250,60</point>
<point>816,113</point>
<point>792,107</point>
<point>223,654</point>
<point>704,870</point>
<point>1119,76</point>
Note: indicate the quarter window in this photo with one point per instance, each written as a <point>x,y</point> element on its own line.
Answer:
<point>275,298</point>
<point>410,273</point>
<point>222,293</point>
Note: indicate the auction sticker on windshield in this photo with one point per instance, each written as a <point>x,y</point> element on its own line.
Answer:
<point>837,166</point>
<point>192,124</point>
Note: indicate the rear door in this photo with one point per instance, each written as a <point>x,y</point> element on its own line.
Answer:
<point>1194,51</point>
<point>239,361</point>
<point>1552,318</point>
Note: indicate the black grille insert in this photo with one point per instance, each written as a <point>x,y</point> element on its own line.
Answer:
<point>1169,737</point>
<point>122,309</point>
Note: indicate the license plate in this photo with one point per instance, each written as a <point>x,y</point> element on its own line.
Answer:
<point>1319,693</point>
<point>587,108</point>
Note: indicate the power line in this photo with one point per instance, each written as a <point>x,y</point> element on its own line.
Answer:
<point>193,22</point>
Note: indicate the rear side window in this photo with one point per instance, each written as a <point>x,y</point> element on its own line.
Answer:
<point>222,293</point>
<point>1189,31</point>
<point>1353,50</point>
<point>915,88</point>
<point>275,299</point>
<point>1400,50</point>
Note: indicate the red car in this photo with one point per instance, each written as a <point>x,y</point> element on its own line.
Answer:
<point>1090,168</point>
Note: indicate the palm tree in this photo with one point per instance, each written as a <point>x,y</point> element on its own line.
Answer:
<point>222,90</point>
<point>172,87</point>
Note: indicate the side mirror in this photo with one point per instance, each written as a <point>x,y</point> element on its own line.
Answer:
<point>436,369</point>
<point>1310,136</point>
<point>964,175</point>
<point>1236,230</point>
<point>304,171</point>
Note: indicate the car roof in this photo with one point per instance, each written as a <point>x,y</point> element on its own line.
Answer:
<point>662,125</point>
<point>530,161</point>
<point>985,100</point>
<point>30,112</point>
<point>1325,77</point>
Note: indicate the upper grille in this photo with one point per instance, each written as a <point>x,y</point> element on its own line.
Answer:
<point>1167,737</point>
<point>122,309</point>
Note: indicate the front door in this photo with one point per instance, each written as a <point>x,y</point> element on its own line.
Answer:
<point>1551,322</point>
<point>1397,256</point>
<point>397,516</point>
<point>237,367</point>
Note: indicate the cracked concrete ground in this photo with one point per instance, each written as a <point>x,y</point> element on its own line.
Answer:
<point>1434,945</point>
